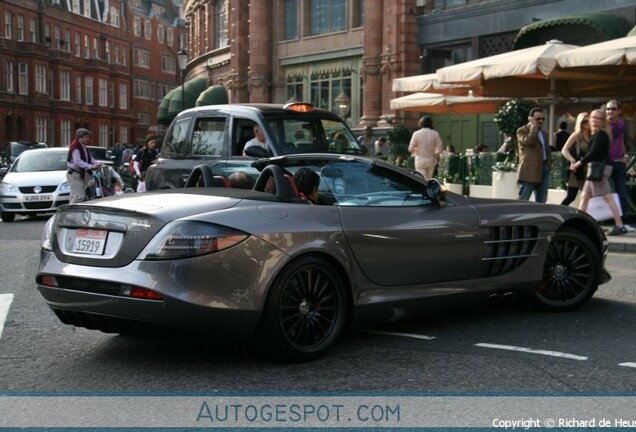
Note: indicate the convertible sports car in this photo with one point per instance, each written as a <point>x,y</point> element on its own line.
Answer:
<point>266,265</point>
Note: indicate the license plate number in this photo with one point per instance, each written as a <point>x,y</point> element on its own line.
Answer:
<point>38,198</point>
<point>89,241</point>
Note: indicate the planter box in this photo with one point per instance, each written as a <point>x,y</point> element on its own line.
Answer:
<point>504,185</point>
<point>480,191</point>
<point>457,188</point>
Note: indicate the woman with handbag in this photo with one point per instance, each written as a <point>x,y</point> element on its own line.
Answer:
<point>598,172</point>
<point>574,149</point>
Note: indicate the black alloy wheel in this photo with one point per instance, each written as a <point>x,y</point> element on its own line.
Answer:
<point>571,272</point>
<point>305,311</point>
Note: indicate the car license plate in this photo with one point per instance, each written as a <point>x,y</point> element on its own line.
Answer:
<point>89,241</point>
<point>38,198</point>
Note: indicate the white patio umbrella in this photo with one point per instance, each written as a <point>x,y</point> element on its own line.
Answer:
<point>427,83</point>
<point>615,58</point>
<point>526,73</point>
<point>436,103</point>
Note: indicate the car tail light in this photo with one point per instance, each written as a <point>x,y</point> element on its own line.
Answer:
<point>143,293</point>
<point>178,240</point>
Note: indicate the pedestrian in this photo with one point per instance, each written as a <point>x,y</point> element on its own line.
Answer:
<point>366,140</point>
<point>576,146</point>
<point>80,165</point>
<point>425,146</point>
<point>561,137</point>
<point>535,157</point>
<point>600,149</point>
<point>617,154</point>
<point>146,156</point>
<point>381,147</point>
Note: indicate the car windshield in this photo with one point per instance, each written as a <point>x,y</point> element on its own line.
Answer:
<point>40,161</point>
<point>18,147</point>
<point>313,135</point>
<point>352,183</point>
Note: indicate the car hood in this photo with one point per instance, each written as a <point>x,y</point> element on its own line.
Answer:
<point>35,178</point>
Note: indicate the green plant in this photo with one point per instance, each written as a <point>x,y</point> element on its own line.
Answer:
<point>558,171</point>
<point>483,165</point>
<point>511,117</point>
<point>399,137</point>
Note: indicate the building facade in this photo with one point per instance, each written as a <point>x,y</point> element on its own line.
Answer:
<point>102,65</point>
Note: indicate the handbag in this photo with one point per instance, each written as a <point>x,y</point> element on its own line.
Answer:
<point>595,171</point>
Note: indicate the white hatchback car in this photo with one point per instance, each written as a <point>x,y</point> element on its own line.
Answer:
<point>35,183</point>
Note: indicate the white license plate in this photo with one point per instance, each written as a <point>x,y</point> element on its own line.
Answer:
<point>89,241</point>
<point>38,198</point>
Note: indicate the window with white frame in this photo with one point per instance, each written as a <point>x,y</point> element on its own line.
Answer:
<point>123,134</point>
<point>168,64</point>
<point>76,7</point>
<point>137,26</point>
<point>220,17</point>
<point>65,85</point>
<point>114,17</point>
<point>141,58</point>
<point>20,28</point>
<point>96,48</point>
<point>88,86</point>
<point>123,95</point>
<point>33,34</point>
<point>40,129</point>
<point>148,29</point>
<point>103,135</point>
<point>161,34</point>
<point>87,9</point>
<point>290,25</point>
<point>40,78</point>
<point>67,40</point>
<point>107,49</point>
<point>47,34</point>
<point>8,29</point>
<point>58,37</point>
<point>143,119</point>
<point>111,94</point>
<point>78,45</point>
<point>103,92</point>
<point>141,89</point>
<point>170,36</point>
<point>115,53</point>
<point>325,86</point>
<point>23,79</point>
<point>87,46</point>
<point>124,57</point>
<point>65,131</point>
<point>78,89</point>
<point>9,79</point>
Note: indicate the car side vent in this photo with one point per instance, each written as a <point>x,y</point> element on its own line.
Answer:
<point>506,248</point>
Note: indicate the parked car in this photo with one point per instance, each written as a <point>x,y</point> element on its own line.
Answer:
<point>35,183</point>
<point>102,154</point>
<point>219,132</point>
<point>381,244</point>
<point>15,148</point>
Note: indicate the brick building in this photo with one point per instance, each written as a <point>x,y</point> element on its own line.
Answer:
<point>103,65</point>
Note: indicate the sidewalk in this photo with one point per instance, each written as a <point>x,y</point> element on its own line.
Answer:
<point>623,243</point>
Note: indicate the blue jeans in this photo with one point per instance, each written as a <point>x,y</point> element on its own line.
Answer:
<point>619,179</point>
<point>540,189</point>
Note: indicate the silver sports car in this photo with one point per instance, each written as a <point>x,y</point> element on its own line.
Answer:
<point>291,276</point>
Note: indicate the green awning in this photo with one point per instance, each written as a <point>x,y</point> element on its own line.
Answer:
<point>184,97</point>
<point>213,95</point>
<point>590,26</point>
<point>162,111</point>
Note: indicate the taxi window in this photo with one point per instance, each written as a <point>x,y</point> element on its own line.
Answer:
<point>175,142</point>
<point>207,139</point>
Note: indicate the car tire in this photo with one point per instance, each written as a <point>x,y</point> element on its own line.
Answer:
<point>7,217</point>
<point>305,312</point>
<point>571,272</point>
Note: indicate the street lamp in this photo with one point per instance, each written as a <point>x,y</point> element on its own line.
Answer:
<point>182,56</point>
<point>343,103</point>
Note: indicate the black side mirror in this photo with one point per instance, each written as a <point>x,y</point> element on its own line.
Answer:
<point>435,191</point>
<point>256,151</point>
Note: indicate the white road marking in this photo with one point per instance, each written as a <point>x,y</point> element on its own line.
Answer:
<point>628,364</point>
<point>532,351</point>
<point>5,303</point>
<point>410,335</point>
